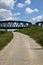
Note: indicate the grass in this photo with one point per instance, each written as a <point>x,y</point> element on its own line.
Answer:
<point>5,38</point>
<point>34,32</point>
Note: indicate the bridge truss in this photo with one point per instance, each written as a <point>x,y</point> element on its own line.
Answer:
<point>14,24</point>
<point>40,24</point>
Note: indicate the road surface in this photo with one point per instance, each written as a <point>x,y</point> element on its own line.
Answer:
<point>22,50</point>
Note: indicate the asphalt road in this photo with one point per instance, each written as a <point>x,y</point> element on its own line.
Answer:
<point>22,50</point>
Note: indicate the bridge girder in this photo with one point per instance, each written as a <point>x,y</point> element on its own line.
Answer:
<point>14,24</point>
<point>40,24</point>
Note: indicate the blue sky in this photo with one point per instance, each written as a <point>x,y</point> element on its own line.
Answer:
<point>22,10</point>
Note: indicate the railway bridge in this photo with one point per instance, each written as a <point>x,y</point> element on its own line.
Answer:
<point>40,24</point>
<point>14,24</point>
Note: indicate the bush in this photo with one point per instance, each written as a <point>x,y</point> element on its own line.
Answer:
<point>2,32</point>
<point>34,32</point>
<point>5,38</point>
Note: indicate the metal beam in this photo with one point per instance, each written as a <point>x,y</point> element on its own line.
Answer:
<point>14,24</point>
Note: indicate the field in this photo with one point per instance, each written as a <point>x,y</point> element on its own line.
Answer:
<point>5,38</point>
<point>34,32</point>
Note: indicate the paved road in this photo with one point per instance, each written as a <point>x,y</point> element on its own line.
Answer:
<point>21,51</point>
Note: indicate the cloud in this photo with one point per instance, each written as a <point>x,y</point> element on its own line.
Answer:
<point>8,15</point>
<point>38,18</point>
<point>27,2</point>
<point>16,18</point>
<point>29,10</point>
<point>17,14</point>
<point>7,4</point>
<point>20,5</point>
<point>5,9</point>
<point>10,18</point>
<point>5,13</point>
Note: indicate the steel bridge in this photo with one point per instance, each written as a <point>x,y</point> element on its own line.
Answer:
<point>14,24</point>
<point>40,24</point>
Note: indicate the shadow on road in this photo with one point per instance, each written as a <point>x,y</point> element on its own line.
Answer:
<point>37,48</point>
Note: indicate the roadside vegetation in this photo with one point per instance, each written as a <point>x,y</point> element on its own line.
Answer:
<point>5,38</point>
<point>35,32</point>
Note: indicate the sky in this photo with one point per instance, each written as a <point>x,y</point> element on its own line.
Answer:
<point>21,10</point>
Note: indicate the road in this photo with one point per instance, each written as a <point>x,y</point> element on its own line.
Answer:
<point>22,50</point>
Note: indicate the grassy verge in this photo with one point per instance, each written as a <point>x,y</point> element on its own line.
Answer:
<point>5,38</point>
<point>34,32</point>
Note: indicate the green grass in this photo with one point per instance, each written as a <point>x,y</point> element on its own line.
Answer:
<point>5,38</point>
<point>34,32</point>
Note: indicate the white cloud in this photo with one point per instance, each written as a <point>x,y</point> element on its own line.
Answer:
<point>17,14</point>
<point>20,5</point>
<point>29,10</point>
<point>7,4</point>
<point>8,15</point>
<point>16,18</point>
<point>38,18</point>
<point>5,10</point>
<point>10,18</point>
<point>28,2</point>
<point>5,14</point>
